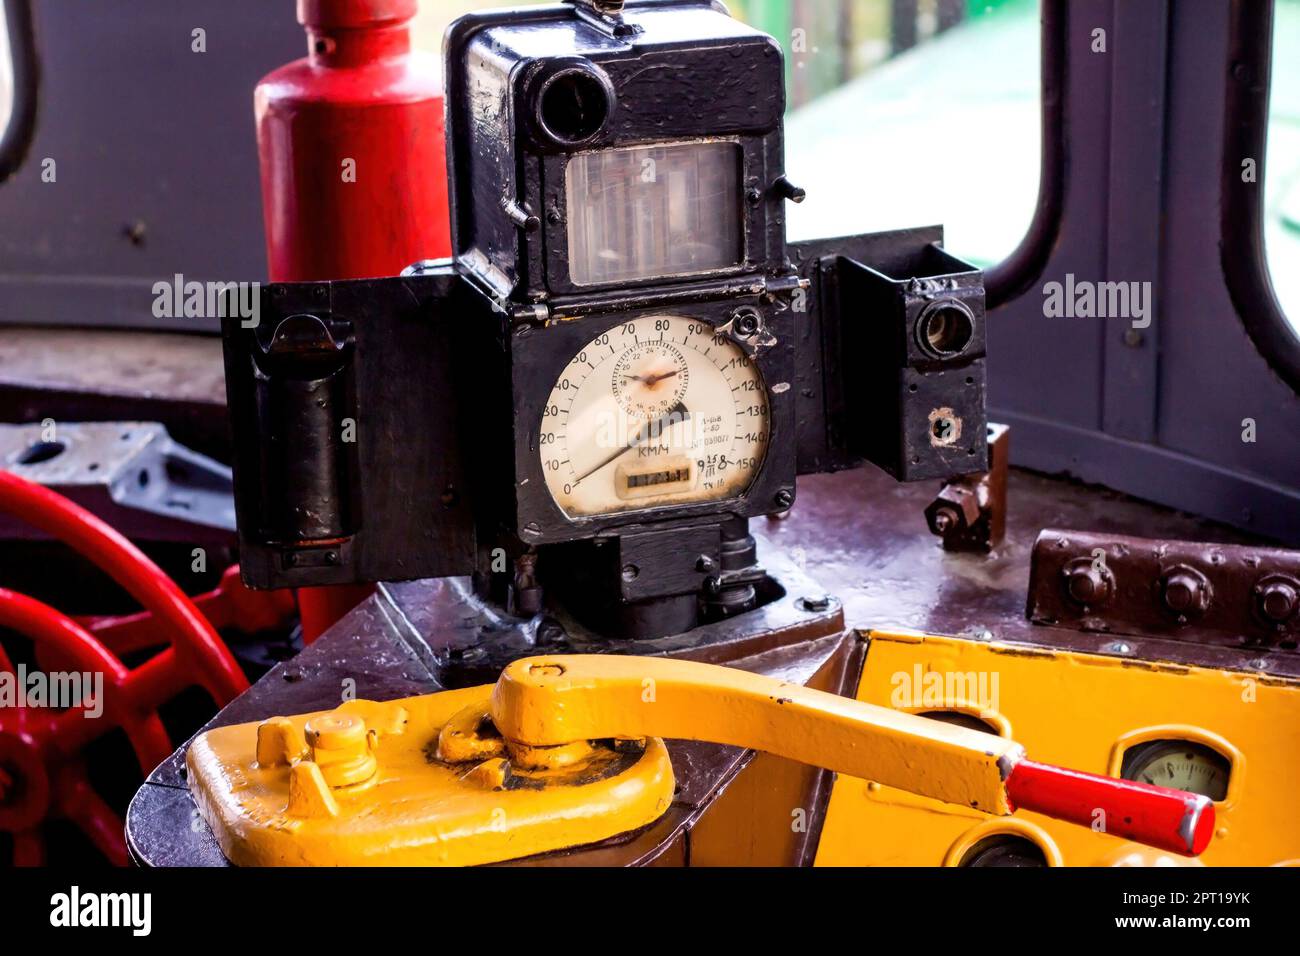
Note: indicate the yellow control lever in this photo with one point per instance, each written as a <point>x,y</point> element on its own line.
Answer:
<point>543,702</point>
<point>564,751</point>
<point>552,701</point>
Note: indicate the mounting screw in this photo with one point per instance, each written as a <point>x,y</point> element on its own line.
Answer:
<point>1088,582</point>
<point>1185,591</point>
<point>784,498</point>
<point>706,565</point>
<point>1277,599</point>
<point>135,232</point>
<point>630,572</point>
<point>820,602</point>
<point>746,322</point>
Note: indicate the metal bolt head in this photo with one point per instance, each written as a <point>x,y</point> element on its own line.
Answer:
<point>1185,591</point>
<point>817,602</point>
<point>953,510</point>
<point>706,564</point>
<point>1278,599</point>
<point>746,322</point>
<point>784,498</point>
<point>1087,583</point>
<point>336,731</point>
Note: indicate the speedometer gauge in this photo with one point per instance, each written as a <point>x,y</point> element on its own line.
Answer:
<point>1180,765</point>
<point>658,411</point>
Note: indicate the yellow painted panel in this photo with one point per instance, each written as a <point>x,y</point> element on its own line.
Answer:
<point>1080,711</point>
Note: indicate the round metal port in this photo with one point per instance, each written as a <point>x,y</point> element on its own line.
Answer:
<point>574,104</point>
<point>945,328</point>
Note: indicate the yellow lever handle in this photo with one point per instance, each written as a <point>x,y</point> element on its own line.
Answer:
<point>550,701</point>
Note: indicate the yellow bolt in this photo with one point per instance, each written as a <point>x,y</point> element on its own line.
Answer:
<point>342,748</point>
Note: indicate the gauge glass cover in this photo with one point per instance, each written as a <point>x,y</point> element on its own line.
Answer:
<point>657,411</point>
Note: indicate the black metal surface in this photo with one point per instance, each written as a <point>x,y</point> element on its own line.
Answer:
<point>391,503</point>
<point>464,639</point>
<point>914,335</point>
<point>504,319</point>
<point>727,81</point>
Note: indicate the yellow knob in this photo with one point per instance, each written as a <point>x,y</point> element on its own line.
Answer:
<point>342,748</point>
<point>337,731</point>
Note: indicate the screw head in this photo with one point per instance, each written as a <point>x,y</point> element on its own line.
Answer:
<point>784,498</point>
<point>746,322</point>
<point>1278,599</point>
<point>1087,583</point>
<point>1185,591</point>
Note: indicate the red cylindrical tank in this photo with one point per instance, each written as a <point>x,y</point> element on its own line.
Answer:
<point>354,170</point>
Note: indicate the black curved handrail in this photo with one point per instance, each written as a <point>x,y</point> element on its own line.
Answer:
<point>1015,274</point>
<point>16,137</point>
<point>1242,249</point>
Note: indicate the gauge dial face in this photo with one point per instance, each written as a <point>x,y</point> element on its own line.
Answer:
<point>657,411</point>
<point>1180,765</point>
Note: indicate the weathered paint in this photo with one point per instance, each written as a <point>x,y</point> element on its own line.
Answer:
<point>410,808</point>
<point>1083,710</point>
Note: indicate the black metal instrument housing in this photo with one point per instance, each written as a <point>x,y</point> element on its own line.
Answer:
<point>388,429</point>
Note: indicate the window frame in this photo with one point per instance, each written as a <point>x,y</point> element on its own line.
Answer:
<point>16,137</point>
<point>1243,246</point>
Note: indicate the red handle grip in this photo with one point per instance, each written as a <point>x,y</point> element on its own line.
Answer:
<point>1172,820</point>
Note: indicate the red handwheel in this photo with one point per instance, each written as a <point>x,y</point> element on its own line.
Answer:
<point>41,770</point>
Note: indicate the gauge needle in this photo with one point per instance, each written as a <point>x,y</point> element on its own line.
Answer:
<point>652,379</point>
<point>653,429</point>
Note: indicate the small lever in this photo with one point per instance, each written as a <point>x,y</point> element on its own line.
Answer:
<point>545,702</point>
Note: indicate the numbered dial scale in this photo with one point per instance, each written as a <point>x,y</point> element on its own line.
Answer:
<point>658,411</point>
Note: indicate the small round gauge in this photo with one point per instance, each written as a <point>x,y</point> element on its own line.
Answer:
<point>657,411</point>
<point>1180,765</point>
<point>650,379</point>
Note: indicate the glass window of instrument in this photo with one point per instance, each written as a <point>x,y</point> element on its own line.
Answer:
<point>646,212</point>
